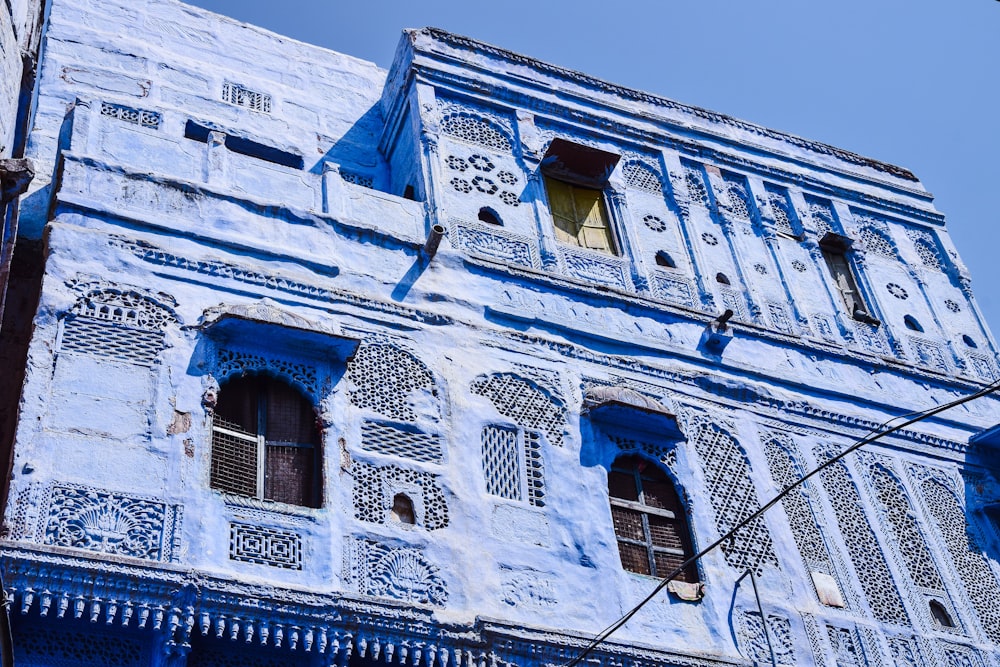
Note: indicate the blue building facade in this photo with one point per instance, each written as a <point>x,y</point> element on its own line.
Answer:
<point>444,366</point>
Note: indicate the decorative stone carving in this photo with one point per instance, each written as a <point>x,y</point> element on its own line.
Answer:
<point>265,546</point>
<point>400,573</point>
<point>113,523</point>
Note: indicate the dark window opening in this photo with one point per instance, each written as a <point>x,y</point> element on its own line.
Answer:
<point>409,192</point>
<point>834,248</point>
<point>663,258</point>
<point>402,510</point>
<point>266,442</point>
<point>941,615</point>
<point>489,216</point>
<point>575,177</point>
<point>912,324</point>
<point>649,519</point>
<point>245,146</point>
<point>722,279</point>
<point>967,339</point>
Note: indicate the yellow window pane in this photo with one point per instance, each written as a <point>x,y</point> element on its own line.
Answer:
<point>561,199</point>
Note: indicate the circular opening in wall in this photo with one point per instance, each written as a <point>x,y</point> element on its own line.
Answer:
<point>402,509</point>
<point>940,614</point>
<point>722,278</point>
<point>663,258</point>
<point>967,339</point>
<point>489,216</point>
<point>911,323</point>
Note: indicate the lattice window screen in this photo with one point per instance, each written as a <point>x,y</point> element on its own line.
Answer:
<point>116,324</point>
<point>402,442</point>
<point>877,242</point>
<point>863,546</point>
<point>525,403</point>
<point>799,507</point>
<point>475,131</point>
<point>390,381</point>
<point>731,491</point>
<point>966,554</point>
<point>643,177</point>
<point>908,539</point>
<point>512,464</point>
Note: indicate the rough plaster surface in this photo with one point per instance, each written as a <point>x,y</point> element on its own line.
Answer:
<point>192,227</point>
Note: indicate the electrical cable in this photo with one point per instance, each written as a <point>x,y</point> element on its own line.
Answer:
<point>873,435</point>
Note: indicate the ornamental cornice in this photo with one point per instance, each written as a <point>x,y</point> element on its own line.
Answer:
<point>641,140</point>
<point>606,87</point>
<point>182,604</point>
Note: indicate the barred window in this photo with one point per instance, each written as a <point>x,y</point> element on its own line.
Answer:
<point>266,442</point>
<point>649,519</point>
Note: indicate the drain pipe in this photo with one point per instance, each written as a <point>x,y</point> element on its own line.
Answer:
<point>433,241</point>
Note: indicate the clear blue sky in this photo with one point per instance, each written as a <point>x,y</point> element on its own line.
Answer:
<point>913,83</point>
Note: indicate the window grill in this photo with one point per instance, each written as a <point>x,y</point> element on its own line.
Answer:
<point>254,100</point>
<point>649,519</point>
<point>512,464</point>
<point>265,443</point>
<point>140,117</point>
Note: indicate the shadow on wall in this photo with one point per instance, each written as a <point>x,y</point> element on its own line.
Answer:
<point>357,149</point>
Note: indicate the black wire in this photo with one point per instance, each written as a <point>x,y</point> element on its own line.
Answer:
<point>873,435</point>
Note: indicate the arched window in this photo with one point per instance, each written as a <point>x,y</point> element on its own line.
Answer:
<point>650,523</point>
<point>265,442</point>
<point>722,279</point>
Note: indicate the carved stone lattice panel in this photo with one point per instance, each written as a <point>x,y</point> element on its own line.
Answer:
<point>642,176</point>
<point>140,117</point>
<point>400,573</point>
<point>929,353</point>
<point>734,498</point>
<point>675,289</point>
<point>60,648</point>
<point>984,367</point>
<point>754,644</point>
<point>966,553</point>
<point>590,266</point>
<point>872,338</point>
<point>392,382</point>
<point>97,338</point>
<point>375,488</point>
<point>799,505</point>
<point>905,652</point>
<point>475,126</point>
<point>230,363</point>
<point>927,248</point>
<point>526,403</point>
<point>899,515</point>
<point>265,546</point>
<point>846,647</point>
<point>863,546</point>
<point>118,324</point>
<point>496,244</point>
<point>402,440</point>
<point>877,242</point>
<point>83,517</point>
<point>821,215</point>
<point>512,464</point>
<point>126,307</point>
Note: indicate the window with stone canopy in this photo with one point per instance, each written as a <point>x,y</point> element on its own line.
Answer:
<point>649,519</point>
<point>575,177</point>
<point>265,442</point>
